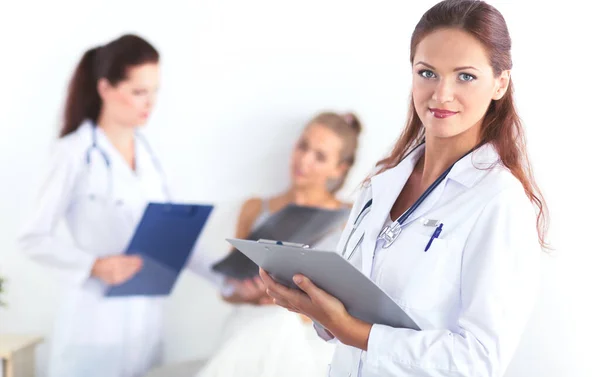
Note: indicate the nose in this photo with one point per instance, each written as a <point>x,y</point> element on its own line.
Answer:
<point>150,100</point>
<point>444,91</point>
<point>306,160</point>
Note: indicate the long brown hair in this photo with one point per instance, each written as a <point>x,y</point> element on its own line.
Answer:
<point>111,62</point>
<point>501,124</point>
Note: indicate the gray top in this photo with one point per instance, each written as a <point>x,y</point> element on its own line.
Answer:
<point>329,242</point>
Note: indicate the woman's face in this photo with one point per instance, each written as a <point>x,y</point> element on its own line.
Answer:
<point>131,101</point>
<point>316,158</point>
<point>454,83</point>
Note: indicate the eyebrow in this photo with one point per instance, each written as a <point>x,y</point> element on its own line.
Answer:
<point>455,69</point>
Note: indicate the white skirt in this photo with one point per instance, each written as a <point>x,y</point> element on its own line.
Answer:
<point>269,341</point>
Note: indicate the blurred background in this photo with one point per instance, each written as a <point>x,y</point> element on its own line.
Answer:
<point>239,80</point>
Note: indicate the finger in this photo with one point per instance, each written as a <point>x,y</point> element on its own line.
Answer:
<point>275,295</point>
<point>119,277</point>
<point>283,304</point>
<point>248,284</point>
<point>110,279</point>
<point>243,289</point>
<point>266,300</point>
<point>307,286</point>
<point>127,273</point>
<point>294,309</point>
<point>137,265</point>
<point>283,301</point>
<point>259,283</point>
<point>249,287</point>
<point>237,285</point>
<point>134,259</point>
<point>293,296</point>
<point>268,281</point>
<point>265,278</point>
<point>126,264</point>
<point>272,284</point>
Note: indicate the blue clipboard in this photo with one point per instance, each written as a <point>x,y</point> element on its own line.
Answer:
<point>164,239</point>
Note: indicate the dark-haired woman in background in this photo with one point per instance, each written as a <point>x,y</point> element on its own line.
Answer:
<point>100,178</point>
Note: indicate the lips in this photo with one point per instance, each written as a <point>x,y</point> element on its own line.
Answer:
<point>441,114</point>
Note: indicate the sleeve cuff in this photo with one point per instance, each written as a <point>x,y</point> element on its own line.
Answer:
<point>84,272</point>
<point>375,347</point>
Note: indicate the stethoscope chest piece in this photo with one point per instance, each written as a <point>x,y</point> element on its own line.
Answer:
<point>389,234</point>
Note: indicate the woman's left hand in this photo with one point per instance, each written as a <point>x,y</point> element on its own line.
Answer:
<point>321,307</point>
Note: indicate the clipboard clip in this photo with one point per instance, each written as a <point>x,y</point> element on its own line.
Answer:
<point>182,210</point>
<point>281,243</point>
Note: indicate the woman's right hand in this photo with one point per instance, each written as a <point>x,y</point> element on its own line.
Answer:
<point>116,269</point>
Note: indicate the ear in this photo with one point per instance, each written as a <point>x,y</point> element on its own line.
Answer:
<point>103,87</point>
<point>502,82</point>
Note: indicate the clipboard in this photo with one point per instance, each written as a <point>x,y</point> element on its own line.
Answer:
<point>164,239</point>
<point>294,223</point>
<point>362,298</point>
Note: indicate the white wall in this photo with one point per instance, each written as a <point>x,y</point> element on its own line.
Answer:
<point>239,80</point>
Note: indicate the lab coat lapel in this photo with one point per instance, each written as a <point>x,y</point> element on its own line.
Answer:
<point>385,189</point>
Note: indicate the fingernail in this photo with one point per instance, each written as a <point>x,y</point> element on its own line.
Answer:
<point>297,279</point>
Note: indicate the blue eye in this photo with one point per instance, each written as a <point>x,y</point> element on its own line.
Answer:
<point>425,73</point>
<point>466,77</point>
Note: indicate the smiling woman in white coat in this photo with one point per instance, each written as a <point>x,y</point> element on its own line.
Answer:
<point>101,176</point>
<point>452,224</point>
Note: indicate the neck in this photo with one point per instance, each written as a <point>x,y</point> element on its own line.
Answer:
<point>440,154</point>
<point>121,136</point>
<point>311,197</point>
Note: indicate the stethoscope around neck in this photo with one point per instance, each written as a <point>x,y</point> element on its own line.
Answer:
<point>390,233</point>
<point>108,166</point>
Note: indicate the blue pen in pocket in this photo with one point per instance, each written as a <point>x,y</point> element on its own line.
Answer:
<point>436,234</point>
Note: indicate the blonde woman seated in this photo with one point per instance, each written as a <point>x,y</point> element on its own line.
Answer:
<point>263,339</point>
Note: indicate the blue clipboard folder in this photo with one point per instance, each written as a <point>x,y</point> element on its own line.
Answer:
<point>164,239</point>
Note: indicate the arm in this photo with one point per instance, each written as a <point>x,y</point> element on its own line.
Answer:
<point>500,274</point>
<point>251,292</point>
<point>233,291</point>
<point>38,239</point>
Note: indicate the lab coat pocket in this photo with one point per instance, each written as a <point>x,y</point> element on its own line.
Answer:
<point>424,280</point>
<point>107,225</point>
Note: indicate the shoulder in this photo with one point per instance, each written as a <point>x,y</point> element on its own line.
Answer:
<point>75,143</point>
<point>69,151</point>
<point>251,208</point>
<point>503,198</point>
<point>500,182</point>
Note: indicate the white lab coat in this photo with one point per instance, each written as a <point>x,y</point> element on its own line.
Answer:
<point>471,293</point>
<point>93,335</point>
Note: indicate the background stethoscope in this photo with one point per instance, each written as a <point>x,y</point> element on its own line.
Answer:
<point>390,233</point>
<point>108,165</point>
